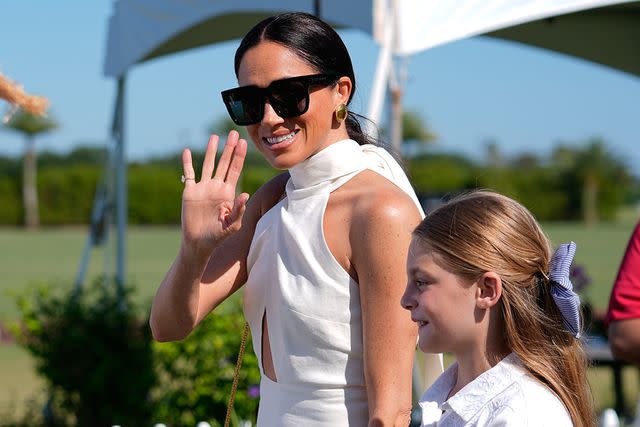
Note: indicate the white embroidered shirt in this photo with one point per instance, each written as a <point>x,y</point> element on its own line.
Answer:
<point>505,395</point>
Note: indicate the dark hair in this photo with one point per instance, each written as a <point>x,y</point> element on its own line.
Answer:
<point>315,42</point>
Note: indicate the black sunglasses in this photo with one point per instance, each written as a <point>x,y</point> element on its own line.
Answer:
<point>288,97</point>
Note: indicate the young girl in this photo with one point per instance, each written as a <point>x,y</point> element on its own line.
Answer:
<point>483,285</point>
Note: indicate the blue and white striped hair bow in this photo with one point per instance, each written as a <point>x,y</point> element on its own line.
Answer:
<point>562,289</point>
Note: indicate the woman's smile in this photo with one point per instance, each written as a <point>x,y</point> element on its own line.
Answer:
<point>280,141</point>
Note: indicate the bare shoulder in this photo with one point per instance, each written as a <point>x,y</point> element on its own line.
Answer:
<point>380,217</point>
<point>378,202</point>
<point>377,218</point>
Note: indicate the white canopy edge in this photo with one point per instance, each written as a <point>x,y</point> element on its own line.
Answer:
<point>140,30</point>
<point>429,23</point>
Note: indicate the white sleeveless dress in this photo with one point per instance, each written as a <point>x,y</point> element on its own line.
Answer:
<point>311,303</point>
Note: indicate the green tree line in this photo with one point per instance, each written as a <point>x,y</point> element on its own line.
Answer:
<point>67,183</point>
<point>576,182</point>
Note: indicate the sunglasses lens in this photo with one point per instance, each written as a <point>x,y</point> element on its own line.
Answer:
<point>290,98</point>
<point>244,105</point>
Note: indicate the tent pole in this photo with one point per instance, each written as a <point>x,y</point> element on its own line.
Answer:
<point>316,8</point>
<point>381,77</point>
<point>121,185</point>
<point>96,230</point>
<point>395,91</point>
<point>396,87</point>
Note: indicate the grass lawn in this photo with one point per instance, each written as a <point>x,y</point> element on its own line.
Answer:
<point>52,256</point>
<point>18,379</point>
<point>599,249</point>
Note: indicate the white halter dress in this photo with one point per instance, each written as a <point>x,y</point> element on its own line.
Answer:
<point>311,303</point>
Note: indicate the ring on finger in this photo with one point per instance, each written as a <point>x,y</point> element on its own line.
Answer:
<point>184,179</point>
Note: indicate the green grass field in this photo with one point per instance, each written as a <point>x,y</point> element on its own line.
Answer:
<point>52,256</point>
<point>599,249</point>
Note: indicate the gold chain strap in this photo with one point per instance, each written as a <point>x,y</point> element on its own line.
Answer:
<point>236,374</point>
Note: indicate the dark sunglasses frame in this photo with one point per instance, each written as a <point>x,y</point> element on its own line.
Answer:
<point>254,94</point>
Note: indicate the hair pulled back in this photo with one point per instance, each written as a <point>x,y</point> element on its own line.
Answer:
<point>315,42</point>
<point>484,231</point>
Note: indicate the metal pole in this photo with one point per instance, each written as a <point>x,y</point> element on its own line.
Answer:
<point>396,118</point>
<point>109,180</point>
<point>396,88</point>
<point>316,8</point>
<point>96,232</point>
<point>381,77</point>
<point>121,186</point>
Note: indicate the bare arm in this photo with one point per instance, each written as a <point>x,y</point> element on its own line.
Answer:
<point>382,233</point>
<point>624,328</point>
<point>211,213</point>
<point>624,340</point>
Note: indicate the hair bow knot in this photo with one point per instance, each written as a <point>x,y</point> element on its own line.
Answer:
<point>562,289</point>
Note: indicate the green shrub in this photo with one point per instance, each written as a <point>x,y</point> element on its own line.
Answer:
<point>155,194</point>
<point>439,174</point>
<point>10,202</point>
<point>196,374</point>
<point>553,190</point>
<point>253,178</point>
<point>94,351</point>
<point>66,194</point>
<point>539,189</point>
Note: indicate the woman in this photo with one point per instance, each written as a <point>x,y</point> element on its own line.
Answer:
<point>316,248</point>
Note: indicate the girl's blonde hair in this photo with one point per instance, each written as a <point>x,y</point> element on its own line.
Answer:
<point>484,231</point>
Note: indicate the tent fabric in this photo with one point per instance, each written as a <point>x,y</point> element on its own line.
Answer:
<point>140,30</point>
<point>608,36</point>
<point>425,24</point>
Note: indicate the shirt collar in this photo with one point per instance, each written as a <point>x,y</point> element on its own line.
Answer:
<point>433,399</point>
<point>474,396</point>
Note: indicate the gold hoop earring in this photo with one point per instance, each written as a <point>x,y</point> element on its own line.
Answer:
<point>341,113</point>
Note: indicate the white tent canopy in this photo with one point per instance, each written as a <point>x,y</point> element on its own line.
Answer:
<point>606,31</point>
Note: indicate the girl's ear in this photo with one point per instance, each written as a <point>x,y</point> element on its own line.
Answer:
<point>344,88</point>
<point>489,290</point>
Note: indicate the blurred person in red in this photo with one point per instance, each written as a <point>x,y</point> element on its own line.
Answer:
<point>623,314</point>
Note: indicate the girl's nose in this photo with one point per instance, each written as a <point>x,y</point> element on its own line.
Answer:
<point>407,301</point>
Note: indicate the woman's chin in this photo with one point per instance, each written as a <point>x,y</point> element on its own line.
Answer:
<point>281,164</point>
<point>283,160</point>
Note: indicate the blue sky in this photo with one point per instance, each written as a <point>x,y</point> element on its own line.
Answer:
<point>470,91</point>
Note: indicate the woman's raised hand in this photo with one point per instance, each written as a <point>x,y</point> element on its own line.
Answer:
<point>211,211</point>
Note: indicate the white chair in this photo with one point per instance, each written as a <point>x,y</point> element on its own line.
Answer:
<point>636,421</point>
<point>609,418</point>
